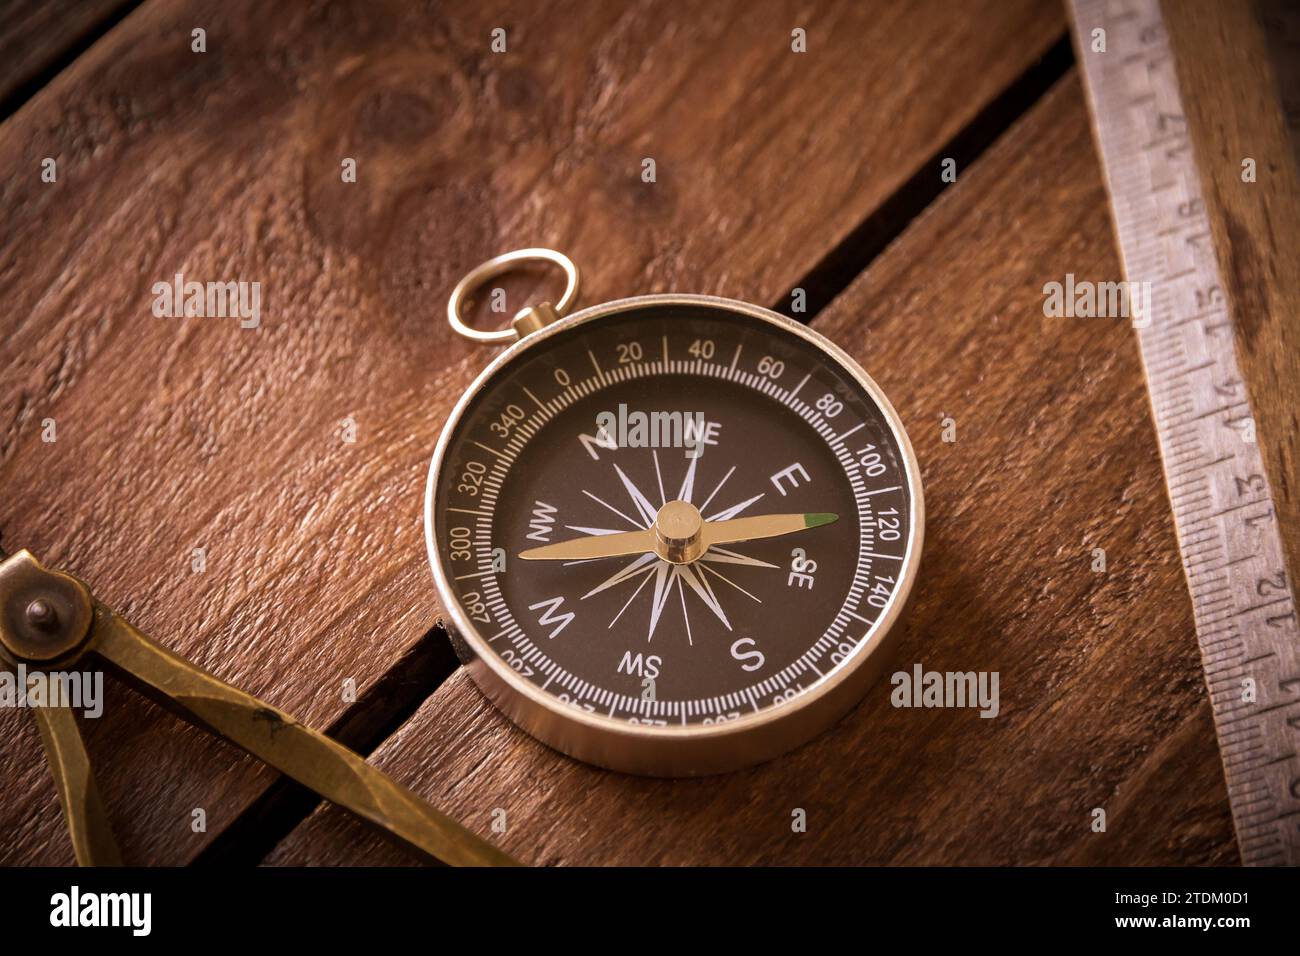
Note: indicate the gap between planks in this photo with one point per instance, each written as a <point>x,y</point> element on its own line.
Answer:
<point>45,65</point>
<point>421,672</point>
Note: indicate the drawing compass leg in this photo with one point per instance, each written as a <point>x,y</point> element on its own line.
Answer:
<point>50,621</point>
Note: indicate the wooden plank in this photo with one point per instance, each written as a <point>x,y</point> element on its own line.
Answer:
<point>1236,111</point>
<point>1102,703</point>
<point>36,37</point>
<point>225,166</point>
<point>1281,22</point>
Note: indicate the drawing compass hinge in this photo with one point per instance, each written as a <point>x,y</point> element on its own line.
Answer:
<point>50,621</point>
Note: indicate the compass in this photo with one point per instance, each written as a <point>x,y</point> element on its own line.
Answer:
<point>672,534</point>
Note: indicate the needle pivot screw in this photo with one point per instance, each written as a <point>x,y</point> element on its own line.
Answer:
<point>679,537</point>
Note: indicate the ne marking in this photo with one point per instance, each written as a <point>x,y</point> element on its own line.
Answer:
<point>581,688</point>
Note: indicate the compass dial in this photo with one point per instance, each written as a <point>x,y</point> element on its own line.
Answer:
<point>667,527</point>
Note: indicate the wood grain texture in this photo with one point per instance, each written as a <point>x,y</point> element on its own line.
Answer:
<point>1102,700</point>
<point>36,34</point>
<point>175,434</point>
<point>1235,109</point>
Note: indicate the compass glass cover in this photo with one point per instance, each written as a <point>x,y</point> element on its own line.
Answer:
<point>591,432</point>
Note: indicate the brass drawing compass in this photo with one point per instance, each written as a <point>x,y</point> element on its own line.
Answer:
<point>673,534</point>
<point>49,621</point>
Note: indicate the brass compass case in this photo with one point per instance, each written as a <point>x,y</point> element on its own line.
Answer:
<point>688,749</point>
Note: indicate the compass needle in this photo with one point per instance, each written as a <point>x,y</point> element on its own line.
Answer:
<point>764,526</point>
<point>667,646</point>
<point>614,545</point>
<point>594,546</point>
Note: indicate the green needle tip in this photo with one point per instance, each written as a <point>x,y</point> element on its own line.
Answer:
<point>818,518</point>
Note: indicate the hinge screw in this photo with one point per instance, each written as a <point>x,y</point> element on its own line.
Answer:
<point>41,614</point>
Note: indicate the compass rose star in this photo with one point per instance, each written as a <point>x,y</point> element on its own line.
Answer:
<point>667,576</point>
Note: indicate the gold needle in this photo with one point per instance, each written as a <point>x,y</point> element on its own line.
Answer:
<point>678,535</point>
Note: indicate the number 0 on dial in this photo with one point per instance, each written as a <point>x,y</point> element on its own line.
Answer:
<point>672,533</point>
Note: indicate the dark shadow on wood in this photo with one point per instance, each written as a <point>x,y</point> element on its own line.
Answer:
<point>374,717</point>
<point>24,87</point>
<point>855,252</point>
<point>420,673</point>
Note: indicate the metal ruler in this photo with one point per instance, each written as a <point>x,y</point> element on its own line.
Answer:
<point>1232,553</point>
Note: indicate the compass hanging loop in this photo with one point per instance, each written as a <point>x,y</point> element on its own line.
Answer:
<point>527,320</point>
